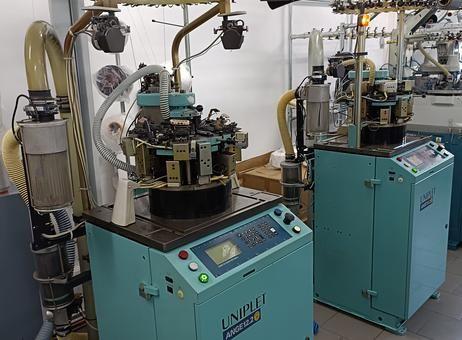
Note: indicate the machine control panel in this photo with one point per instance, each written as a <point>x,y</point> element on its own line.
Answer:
<point>424,158</point>
<point>238,246</point>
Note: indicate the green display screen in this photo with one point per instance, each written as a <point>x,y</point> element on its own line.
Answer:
<point>223,252</point>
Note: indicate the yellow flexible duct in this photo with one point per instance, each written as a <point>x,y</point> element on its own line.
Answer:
<point>41,37</point>
<point>368,62</point>
<point>433,60</point>
<point>282,123</point>
<point>14,165</point>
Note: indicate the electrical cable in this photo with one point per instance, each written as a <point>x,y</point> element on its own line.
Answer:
<point>204,51</point>
<point>125,120</point>
<point>14,114</point>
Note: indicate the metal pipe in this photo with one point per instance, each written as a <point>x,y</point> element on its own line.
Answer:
<point>187,40</point>
<point>401,45</point>
<point>211,13</point>
<point>361,47</point>
<point>118,63</point>
<point>291,47</point>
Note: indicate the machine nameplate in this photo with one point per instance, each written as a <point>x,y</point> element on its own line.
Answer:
<point>243,318</point>
<point>238,246</point>
<point>426,199</point>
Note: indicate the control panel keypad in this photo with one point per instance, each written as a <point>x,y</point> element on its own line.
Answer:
<point>240,245</point>
<point>258,235</point>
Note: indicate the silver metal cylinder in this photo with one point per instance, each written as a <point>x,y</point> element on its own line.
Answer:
<point>291,185</point>
<point>317,108</point>
<point>361,43</point>
<point>46,155</point>
<point>450,4</point>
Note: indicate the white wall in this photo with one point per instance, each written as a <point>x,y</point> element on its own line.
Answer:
<point>245,84</point>
<point>15,18</point>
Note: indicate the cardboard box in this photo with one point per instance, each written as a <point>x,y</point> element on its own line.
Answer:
<point>257,174</point>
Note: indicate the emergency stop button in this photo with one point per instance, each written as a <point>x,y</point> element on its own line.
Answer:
<point>183,255</point>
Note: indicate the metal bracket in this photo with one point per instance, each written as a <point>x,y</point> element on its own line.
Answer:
<point>371,183</point>
<point>147,291</point>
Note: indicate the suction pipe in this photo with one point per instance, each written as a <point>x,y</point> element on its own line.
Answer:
<point>211,13</point>
<point>41,38</point>
<point>14,165</point>
<point>282,123</point>
<point>4,179</point>
<point>315,52</point>
<point>433,60</point>
<point>46,331</point>
<point>106,152</point>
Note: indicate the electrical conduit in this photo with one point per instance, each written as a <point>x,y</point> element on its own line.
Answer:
<point>282,123</point>
<point>65,224</point>
<point>164,97</point>
<point>46,331</point>
<point>106,152</point>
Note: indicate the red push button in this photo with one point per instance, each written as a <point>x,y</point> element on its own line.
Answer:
<point>183,255</point>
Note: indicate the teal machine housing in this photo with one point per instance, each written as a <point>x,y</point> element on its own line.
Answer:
<point>381,228</point>
<point>452,141</point>
<point>248,277</point>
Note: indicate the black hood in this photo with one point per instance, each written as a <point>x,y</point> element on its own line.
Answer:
<point>278,3</point>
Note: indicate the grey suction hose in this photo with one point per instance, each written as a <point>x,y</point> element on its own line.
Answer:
<point>164,90</point>
<point>65,224</point>
<point>106,152</point>
<point>46,331</point>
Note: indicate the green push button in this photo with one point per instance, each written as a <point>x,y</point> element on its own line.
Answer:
<point>203,278</point>
<point>414,170</point>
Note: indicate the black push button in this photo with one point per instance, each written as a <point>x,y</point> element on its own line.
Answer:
<point>278,212</point>
<point>289,218</point>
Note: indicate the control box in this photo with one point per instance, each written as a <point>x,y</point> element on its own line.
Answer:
<point>226,285</point>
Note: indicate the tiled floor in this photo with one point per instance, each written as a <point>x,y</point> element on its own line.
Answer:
<point>436,320</point>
